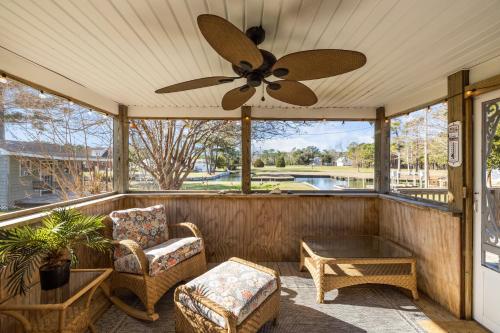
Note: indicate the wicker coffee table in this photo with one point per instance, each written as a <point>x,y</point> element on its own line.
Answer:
<point>65,309</point>
<point>337,262</point>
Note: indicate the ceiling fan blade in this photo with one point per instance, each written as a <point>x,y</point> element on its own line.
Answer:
<point>195,84</point>
<point>236,97</point>
<point>292,92</point>
<point>317,64</point>
<point>228,41</point>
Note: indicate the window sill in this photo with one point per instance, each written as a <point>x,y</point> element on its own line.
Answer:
<point>418,203</point>
<point>32,215</point>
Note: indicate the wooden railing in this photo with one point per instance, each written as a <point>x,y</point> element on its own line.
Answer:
<point>435,194</point>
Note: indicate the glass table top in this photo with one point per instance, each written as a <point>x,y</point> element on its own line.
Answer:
<point>35,295</point>
<point>355,247</point>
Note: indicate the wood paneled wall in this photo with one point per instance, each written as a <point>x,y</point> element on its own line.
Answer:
<point>434,236</point>
<point>265,227</point>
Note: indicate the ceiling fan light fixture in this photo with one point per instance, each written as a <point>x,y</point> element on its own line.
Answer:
<point>280,72</point>
<point>254,79</point>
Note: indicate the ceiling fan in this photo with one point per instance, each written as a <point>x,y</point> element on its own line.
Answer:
<point>256,65</point>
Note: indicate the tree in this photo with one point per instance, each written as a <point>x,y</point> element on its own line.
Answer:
<point>221,144</point>
<point>354,154</point>
<point>305,156</point>
<point>64,136</point>
<point>362,155</point>
<point>327,157</point>
<point>280,162</point>
<point>168,149</point>
<point>269,156</point>
<point>396,144</point>
<point>258,163</point>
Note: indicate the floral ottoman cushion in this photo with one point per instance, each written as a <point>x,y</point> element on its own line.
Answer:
<point>236,287</point>
<point>146,226</point>
<point>162,256</point>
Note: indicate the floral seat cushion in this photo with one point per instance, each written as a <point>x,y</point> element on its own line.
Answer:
<point>236,287</point>
<point>162,256</point>
<point>146,226</point>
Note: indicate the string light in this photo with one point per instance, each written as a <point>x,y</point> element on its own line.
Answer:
<point>42,95</point>
<point>469,93</point>
<point>3,78</point>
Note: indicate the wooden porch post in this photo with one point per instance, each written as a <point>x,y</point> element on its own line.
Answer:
<point>456,112</point>
<point>120,150</point>
<point>382,152</point>
<point>246,153</point>
<point>460,181</point>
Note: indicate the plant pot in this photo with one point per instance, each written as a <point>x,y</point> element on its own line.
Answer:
<point>52,277</point>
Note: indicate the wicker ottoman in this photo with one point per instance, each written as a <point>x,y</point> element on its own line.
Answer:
<point>235,296</point>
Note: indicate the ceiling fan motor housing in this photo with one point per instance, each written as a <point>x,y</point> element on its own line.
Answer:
<point>254,79</point>
<point>256,34</point>
<point>256,76</point>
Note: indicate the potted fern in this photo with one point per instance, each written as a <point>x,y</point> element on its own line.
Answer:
<point>50,248</point>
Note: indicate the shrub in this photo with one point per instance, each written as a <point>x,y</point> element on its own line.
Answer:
<point>280,162</point>
<point>258,163</point>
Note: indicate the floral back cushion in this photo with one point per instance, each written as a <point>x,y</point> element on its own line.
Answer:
<point>146,226</point>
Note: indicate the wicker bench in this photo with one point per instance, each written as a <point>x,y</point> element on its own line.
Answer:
<point>236,296</point>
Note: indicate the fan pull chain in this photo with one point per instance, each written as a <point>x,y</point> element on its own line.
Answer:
<point>262,98</point>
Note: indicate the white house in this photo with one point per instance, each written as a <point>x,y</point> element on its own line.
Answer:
<point>343,161</point>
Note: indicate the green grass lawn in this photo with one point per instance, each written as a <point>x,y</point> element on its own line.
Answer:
<point>236,186</point>
<point>313,169</point>
<point>194,174</point>
<point>211,186</point>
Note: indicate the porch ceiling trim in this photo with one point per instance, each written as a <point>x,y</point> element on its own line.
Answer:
<point>39,77</point>
<point>354,113</point>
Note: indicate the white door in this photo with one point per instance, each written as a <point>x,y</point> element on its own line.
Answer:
<point>486,274</point>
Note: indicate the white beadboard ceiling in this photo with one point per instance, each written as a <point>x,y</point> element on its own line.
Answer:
<point>126,49</point>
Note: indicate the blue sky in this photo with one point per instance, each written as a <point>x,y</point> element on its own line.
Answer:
<point>324,135</point>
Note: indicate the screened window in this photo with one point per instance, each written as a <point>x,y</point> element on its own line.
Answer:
<point>192,155</point>
<point>312,155</point>
<point>51,149</point>
<point>419,154</point>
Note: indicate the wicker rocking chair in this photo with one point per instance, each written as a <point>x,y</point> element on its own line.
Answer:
<point>149,267</point>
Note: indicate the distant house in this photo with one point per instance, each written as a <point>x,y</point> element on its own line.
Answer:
<point>316,161</point>
<point>29,168</point>
<point>343,161</point>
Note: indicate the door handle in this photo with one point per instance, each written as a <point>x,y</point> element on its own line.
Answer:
<point>476,202</point>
